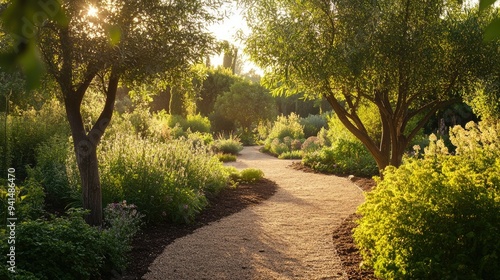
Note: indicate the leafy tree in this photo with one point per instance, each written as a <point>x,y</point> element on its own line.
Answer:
<point>245,104</point>
<point>216,83</point>
<point>104,42</point>
<point>407,58</point>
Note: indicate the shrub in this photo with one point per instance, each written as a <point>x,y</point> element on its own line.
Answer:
<point>68,248</point>
<point>291,155</point>
<point>50,172</point>
<point>437,217</point>
<point>165,180</point>
<point>311,144</point>
<point>27,131</point>
<point>250,175</point>
<point>62,248</point>
<point>29,201</point>
<point>231,145</point>
<point>313,124</point>
<point>286,126</point>
<point>197,123</point>
<point>277,147</point>
<point>226,157</point>
<point>345,157</point>
<point>121,222</point>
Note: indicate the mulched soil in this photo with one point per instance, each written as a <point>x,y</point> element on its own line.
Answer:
<point>151,241</point>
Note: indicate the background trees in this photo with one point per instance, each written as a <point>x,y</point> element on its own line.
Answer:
<point>405,58</point>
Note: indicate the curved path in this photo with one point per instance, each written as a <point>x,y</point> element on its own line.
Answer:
<point>288,236</point>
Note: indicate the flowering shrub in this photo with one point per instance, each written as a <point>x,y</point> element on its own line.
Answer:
<point>437,217</point>
<point>121,223</point>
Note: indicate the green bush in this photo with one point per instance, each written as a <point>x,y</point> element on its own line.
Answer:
<point>165,180</point>
<point>287,126</point>
<point>437,217</point>
<point>231,145</point>
<point>198,123</point>
<point>121,223</point>
<point>311,144</point>
<point>226,157</point>
<point>277,147</point>
<point>62,248</point>
<point>313,124</point>
<point>29,201</point>
<point>345,157</point>
<point>291,155</point>
<point>195,123</point>
<point>26,131</point>
<point>68,248</point>
<point>251,175</point>
<point>50,172</point>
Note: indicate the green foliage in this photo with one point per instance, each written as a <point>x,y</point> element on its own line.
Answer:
<point>62,248</point>
<point>231,145</point>
<point>121,223</point>
<point>68,248</point>
<point>165,180</point>
<point>50,172</point>
<point>250,175</point>
<point>313,124</point>
<point>216,83</point>
<point>245,176</point>
<point>296,154</point>
<point>29,201</point>
<point>195,123</point>
<point>287,126</point>
<point>226,157</point>
<point>245,104</point>
<point>311,144</point>
<point>27,130</point>
<point>344,157</point>
<point>437,217</point>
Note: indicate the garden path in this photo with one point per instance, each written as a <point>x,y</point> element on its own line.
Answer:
<point>288,236</point>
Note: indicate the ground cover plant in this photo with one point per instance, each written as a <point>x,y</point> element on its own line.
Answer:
<point>436,217</point>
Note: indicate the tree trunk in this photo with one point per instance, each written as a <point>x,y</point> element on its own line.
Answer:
<point>86,157</point>
<point>85,144</point>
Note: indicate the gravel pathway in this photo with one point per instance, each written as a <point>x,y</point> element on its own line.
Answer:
<point>288,236</point>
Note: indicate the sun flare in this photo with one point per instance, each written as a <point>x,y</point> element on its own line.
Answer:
<point>92,12</point>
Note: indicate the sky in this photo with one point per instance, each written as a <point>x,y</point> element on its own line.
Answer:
<point>228,29</point>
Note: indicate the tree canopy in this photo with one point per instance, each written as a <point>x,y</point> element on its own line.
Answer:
<point>409,58</point>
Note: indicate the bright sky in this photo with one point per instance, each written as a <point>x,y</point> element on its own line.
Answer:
<point>228,30</point>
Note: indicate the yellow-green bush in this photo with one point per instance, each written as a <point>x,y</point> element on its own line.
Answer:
<point>437,217</point>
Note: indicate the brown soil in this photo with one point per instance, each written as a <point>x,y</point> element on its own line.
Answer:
<point>151,243</point>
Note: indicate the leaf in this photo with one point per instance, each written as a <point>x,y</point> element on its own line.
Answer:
<point>115,34</point>
<point>492,31</point>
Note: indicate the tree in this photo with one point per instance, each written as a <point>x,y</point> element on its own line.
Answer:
<point>407,58</point>
<point>104,42</point>
<point>216,83</point>
<point>245,104</point>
